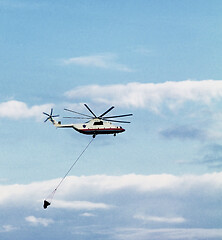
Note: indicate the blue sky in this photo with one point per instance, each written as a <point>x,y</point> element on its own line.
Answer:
<point>161,61</point>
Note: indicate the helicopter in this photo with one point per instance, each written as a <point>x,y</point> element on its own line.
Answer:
<point>96,125</point>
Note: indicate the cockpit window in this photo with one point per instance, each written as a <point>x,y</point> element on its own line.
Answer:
<point>98,123</point>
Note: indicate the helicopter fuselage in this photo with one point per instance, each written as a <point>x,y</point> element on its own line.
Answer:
<point>93,127</point>
<point>98,126</point>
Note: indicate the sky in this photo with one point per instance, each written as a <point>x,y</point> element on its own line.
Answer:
<point>160,60</point>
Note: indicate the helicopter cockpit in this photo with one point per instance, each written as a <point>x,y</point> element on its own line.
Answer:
<point>98,123</point>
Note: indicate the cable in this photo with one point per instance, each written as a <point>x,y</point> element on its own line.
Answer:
<point>47,203</point>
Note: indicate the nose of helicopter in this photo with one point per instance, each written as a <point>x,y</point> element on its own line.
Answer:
<point>122,129</point>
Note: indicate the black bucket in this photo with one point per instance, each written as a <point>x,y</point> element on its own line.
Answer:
<point>46,204</point>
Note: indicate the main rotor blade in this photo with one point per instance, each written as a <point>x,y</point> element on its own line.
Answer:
<point>106,112</point>
<point>115,121</point>
<point>117,116</point>
<point>79,117</point>
<point>90,111</point>
<point>77,112</point>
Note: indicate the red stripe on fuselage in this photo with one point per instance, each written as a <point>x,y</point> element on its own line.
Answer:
<point>101,130</point>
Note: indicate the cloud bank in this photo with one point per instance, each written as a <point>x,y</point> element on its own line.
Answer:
<point>104,61</point>
<point>116,207</point>
<point>137,95</point>
<point>160,219</point>
<point>80,205</point>
<point>169,233</point>
<point>17,109</point>
<point>150,95</point>
<point>184,133</point>
<point>38,221</point>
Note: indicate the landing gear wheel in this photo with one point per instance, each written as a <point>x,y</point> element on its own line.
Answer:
<point>94,135</point>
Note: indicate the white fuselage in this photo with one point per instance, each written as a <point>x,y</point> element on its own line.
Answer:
<point>98,126</point>
<point>93,127</point>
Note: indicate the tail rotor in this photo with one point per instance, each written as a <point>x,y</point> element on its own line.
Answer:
<point>50,116</point>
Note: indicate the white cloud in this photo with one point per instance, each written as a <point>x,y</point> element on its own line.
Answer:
<point>169,233</point>
<point>105,61</point>
<point>160,219</point>
<point>189,201</point>
<point>101,185</point>
<point>86,214</point>
<point>17,109</point>
<point>7,228</point>
<point>150,95</point>
<point>80,205</point>
<point>22,195</point>
<point>39,221</point>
